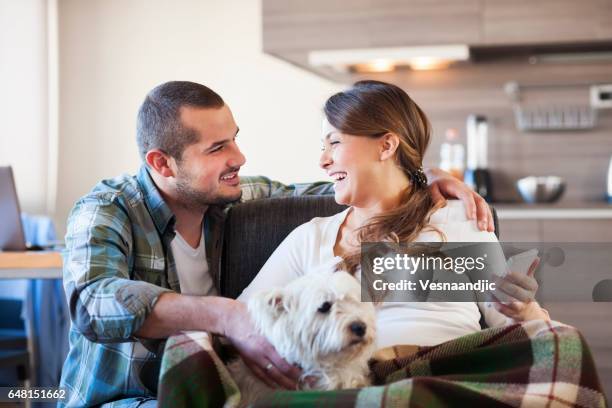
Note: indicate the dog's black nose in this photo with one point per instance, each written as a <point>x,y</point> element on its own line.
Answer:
<point>358,328</point>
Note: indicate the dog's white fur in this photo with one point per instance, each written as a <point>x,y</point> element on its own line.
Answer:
<point>330,353</point>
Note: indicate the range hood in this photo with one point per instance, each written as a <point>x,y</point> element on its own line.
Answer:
<point>386,59</point>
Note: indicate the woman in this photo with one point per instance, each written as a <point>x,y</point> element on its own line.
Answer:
<point>375,138</point>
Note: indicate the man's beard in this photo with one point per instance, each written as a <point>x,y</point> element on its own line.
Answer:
<point>195,199</point>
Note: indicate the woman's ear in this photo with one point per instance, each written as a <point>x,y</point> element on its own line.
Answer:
<point>389,144</point>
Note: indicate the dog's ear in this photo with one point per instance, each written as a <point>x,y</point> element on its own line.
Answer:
<point>275,301</point>
<point>267,303</point>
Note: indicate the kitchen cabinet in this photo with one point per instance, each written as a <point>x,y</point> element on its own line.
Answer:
<point>519,230</point>
<point>543,226</point>
<point>577,231</point>
<point>545,21</point>
<point>591,318</point>
<point>294,28</point>
<point>593,321</point>
<point>606,18</point>
<point>296,25</point>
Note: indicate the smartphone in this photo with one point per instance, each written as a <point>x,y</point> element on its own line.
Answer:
<point>521,262</point>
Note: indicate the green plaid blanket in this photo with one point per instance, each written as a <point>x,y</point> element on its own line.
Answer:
<point>536,363</point>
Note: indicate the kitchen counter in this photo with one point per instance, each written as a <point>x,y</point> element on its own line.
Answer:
<point>561,210</point>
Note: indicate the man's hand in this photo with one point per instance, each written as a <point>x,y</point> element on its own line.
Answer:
<point>443,185</point>
<point>517,292</point>
<point>257,353</point>
<point>174,312</point>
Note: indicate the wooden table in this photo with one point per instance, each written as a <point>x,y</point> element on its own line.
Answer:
<point>30,265</point>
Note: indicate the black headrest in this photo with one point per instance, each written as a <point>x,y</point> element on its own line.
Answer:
<point>254,229</point>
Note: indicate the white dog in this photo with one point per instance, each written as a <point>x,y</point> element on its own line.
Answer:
<point>319,323</point>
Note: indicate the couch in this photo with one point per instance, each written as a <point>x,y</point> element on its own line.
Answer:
<point>254,229</point>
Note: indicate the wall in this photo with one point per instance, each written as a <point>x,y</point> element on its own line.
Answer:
<point>111,52</point>
<point>292,29</point>
<point>580,157</point>
<point>23,98</point>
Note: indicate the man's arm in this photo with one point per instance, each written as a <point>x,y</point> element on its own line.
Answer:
<point>173,313</point>
<point>258,187</point>
<point>108,306</point>
<point>227,317</point>
<point>105,304</point>
<point>442,186</point>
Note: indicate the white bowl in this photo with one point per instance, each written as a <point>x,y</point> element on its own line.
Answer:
<point>545,189</point>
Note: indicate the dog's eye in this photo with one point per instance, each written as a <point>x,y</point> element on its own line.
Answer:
<point>325,307</point>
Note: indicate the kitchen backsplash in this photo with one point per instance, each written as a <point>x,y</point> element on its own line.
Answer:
<point>580,157</point>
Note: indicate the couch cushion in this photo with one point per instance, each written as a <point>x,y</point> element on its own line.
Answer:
<point>254,229</point>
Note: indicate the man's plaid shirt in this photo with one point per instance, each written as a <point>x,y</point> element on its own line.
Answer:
<point>116,264</point>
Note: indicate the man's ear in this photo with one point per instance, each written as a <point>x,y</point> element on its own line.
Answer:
<point>388,144</point>
<point>161,162</point>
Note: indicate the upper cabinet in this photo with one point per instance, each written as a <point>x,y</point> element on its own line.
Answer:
<point>545,21</point>
<point>298,25</point>
<point>606,18</point>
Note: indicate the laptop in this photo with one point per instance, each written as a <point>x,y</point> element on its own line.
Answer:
<point>12,237</point>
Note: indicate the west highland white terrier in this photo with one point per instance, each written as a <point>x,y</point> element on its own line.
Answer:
<point>319,323</point>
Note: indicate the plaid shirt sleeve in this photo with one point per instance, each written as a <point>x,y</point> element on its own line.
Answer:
<point>257,187</point>
<point>105,305</point>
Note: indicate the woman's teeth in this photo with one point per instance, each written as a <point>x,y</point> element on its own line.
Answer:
<point>338,176</point>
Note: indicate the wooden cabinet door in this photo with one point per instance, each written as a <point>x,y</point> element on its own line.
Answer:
<point>545,21</point>
<point>606,20</point>
<point>297,25</point>
<point>519,230</point>
<point>593,321</point>
<point>577,230</point>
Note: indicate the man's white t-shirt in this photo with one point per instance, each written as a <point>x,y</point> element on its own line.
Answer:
<point>192,267</point>
<point>310,248</point>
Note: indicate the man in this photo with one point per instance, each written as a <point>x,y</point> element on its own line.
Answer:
<point>140,252</point>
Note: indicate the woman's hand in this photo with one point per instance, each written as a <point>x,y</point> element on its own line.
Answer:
<point>443,185</point>
<point>517,292</point>
<point>257,353</point>
<point>522,312</point>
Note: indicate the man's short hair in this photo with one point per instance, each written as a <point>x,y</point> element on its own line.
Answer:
<point>159,120</point>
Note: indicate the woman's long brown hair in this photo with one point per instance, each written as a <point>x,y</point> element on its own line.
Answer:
<point>373,109</point>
